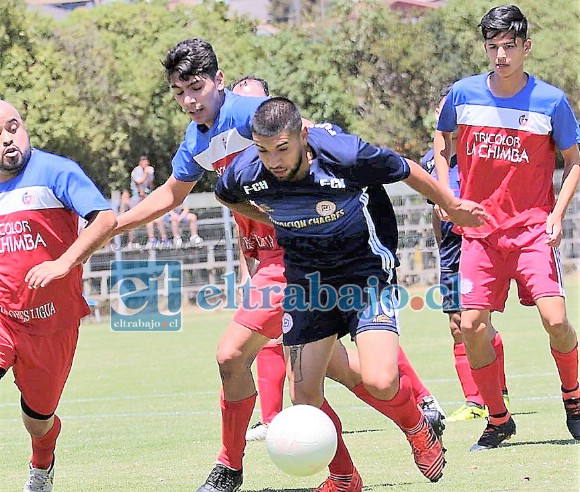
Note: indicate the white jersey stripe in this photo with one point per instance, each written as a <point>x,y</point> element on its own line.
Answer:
<point>222,145</point>
<point>558,262</point>
<point>387,258</point>
<point>28,198</point>
<point>494,117</point>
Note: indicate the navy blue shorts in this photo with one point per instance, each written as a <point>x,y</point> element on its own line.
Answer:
<point>333,315</point>
<point>449,255</point>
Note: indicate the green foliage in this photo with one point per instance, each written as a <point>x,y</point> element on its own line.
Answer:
<point>92,87</point>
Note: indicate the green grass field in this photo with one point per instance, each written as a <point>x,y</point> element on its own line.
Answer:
<point>140,413</point>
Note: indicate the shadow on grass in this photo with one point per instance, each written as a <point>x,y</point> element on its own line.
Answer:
<point>555,442</point>
<point>362,431</point>
<point>281,490</point>
<point>378,486</point>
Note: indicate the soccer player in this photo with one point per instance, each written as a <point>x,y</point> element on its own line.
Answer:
<point>449,245</point>
<point>220,129</point>
<point>270,363</point>
<point>510,124</point>
<point>322,190</point>
<point>41,304</point>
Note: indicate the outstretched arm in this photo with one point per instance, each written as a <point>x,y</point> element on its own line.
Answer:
<point>163,199</point>
<point>247,209</point>
<point>462,212</point>
<point>101,224</point>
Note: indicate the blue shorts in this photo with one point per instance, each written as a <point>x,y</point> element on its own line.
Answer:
<point>449,255</point>
<point>303,324</point>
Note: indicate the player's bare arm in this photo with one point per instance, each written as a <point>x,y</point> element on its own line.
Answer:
<point>570,179</point>
<point>247,209</point>
<point>462,212</point>
<point>163,199</point>
<point>443,151</point>
<point>101,225</point>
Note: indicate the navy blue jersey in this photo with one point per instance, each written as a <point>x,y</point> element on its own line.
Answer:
<point>338,220</point>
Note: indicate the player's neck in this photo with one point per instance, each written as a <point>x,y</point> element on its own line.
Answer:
<point>507,86</point>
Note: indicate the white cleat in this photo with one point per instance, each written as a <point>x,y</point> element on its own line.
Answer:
<point>39,480</point>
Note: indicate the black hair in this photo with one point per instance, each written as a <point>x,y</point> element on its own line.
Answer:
<point>503,19</point>
<point>274,116</point>
<point>260,81</point>
<point>191,57</point>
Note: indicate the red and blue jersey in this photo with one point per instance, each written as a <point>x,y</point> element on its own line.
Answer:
<point>338,220</point>
<point>39,220</point>
<point>506,148</point>
<point>212,149</point>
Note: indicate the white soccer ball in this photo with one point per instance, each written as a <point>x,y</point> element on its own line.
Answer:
<point>301,440</point>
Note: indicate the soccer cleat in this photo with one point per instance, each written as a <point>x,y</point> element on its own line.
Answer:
<point>434,414</point>
<point>494,435</point>
<point>427,450</point>
<point>257,432</point>
<point>39,480</point>
<point>222,479</point>
<point>468,411</point>
<point>336,483</point>
<point>572,407</point>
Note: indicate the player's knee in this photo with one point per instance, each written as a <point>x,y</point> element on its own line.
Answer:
<point>384,387</point>
<point>37,424</point>
<point>556,324</point>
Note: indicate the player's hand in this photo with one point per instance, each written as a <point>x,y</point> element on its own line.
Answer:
<point>554,231</point>
<point>41,275</point>
<point>468,214</point>
<point>442,214</point>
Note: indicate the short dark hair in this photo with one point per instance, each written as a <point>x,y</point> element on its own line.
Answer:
<point>274,116</point>
<point>143,158</point>
<point>191,57</point>
<point>250,76</point>
<point>502,19</point>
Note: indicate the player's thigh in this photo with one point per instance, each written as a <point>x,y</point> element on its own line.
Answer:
<point>376,333</point>
<point>538,267</point>
<point>239,345</point>
<point>261,307</point>
<point>42,368</point>
<point>7,350</point>
<point>484,281</point>
<point>307,364</point>
<point>378,355</point>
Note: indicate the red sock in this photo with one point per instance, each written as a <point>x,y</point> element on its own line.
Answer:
<point>402,409</point>
<point>271,374</point>
<point>567,365</point>
<point>468,385</point>
<point>43,447</point>
<point>236,417</point>
<point>405,368</point>
<point>487,380</point>
<point>497,344</point>
<point>342,463</point>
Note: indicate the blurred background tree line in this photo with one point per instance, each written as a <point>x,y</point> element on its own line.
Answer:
<point>91,86</point>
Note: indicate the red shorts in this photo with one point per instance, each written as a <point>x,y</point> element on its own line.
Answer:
<point>41,365</point>
<point>263,312</point>
<point>488,265</point>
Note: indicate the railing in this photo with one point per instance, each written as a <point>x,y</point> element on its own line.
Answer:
<point>218,254</point>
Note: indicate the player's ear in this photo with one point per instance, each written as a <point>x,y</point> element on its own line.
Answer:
<point>219,80</point>
<point>527,46</point>
<point>304,135</point>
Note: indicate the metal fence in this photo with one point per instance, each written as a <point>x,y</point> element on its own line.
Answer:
<point>219,253</point>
